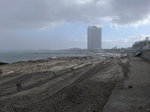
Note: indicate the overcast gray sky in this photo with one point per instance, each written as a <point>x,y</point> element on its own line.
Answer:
<point>34,24</point>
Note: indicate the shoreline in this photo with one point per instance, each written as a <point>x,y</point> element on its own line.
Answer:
<point>16,57</point>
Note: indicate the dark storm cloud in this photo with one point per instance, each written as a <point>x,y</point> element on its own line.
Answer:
<point>16,14</point>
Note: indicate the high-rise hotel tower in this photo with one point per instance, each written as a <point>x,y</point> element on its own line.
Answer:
<point>94,41</point>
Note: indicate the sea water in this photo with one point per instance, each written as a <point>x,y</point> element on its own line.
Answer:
<point>15,57</point>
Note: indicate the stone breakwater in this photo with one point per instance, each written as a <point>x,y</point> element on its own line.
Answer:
<point>60,85</point>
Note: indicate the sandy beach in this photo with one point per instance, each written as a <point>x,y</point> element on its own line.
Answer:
<point>77,84</point>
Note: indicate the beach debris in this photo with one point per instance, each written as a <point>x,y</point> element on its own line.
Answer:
<point>130,86</point>
<point>1,72</point>
<point>19,86</point>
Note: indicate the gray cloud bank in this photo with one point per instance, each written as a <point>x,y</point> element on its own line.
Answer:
<point>37,14</point>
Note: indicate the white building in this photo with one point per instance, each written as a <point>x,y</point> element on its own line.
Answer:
<point>94,38</point>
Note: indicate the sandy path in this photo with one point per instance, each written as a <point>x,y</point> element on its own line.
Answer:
<point>132,95</point>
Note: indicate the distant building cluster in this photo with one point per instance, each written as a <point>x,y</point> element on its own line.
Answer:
<point>145,44</point>
<point>94,39</point>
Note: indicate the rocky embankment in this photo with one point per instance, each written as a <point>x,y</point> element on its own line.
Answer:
<point>60,85</point>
